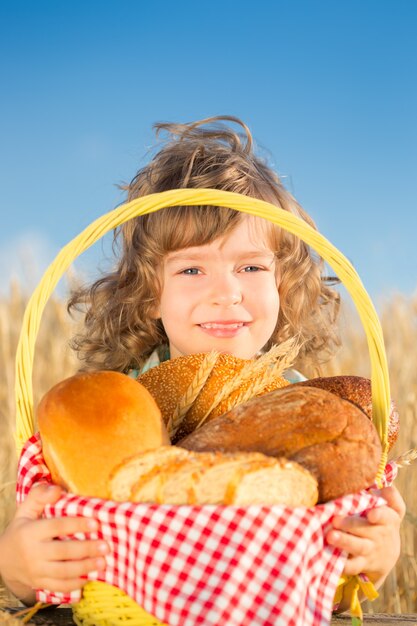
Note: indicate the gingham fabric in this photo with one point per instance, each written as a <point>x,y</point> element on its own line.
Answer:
<point>211,565</point>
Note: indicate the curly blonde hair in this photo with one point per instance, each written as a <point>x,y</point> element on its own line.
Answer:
<point>120,331</point>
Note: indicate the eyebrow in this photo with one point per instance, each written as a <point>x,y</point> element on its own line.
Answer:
<point>196,256</point>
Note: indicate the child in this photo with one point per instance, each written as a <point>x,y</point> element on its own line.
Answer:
<point>189,280</point>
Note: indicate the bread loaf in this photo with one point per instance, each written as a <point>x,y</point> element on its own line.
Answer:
<point>194,381</point>
<point>130,470</point>
<point>327,435</point>
<point>90,422</point>
<point>357,390</point>
<point>176,476</point>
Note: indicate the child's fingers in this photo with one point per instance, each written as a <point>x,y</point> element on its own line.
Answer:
<point>33,506</point>
<point>393,499</point>
<point>65,559</point>
<point>62,585</point>
<point>355,546</point>
<point>64,526</point>
<point>363,526</point>
<point>74,569</point>
<point>74,550</point>
<point>354,524</point>
<point>355,565</point>
<point>383,516</point>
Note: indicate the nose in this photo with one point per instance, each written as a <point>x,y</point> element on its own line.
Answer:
<point>226,290</point>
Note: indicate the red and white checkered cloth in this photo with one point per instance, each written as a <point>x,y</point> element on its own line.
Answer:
<point>211,565</point>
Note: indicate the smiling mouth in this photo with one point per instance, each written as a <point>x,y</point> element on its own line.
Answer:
<point>223,325</point>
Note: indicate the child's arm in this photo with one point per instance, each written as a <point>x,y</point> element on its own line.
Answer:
<point>372,542</point>
<point>31,558</point>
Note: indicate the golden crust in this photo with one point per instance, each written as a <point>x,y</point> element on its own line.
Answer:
<point>169,382</point>
<point>90,422</point>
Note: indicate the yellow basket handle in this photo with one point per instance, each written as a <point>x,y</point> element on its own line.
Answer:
<point>192,197</point>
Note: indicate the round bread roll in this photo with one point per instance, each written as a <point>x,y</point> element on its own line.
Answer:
<point>90,422</point>
<point>192,383</point>
<point>357,390</point>
<point>329,436</point>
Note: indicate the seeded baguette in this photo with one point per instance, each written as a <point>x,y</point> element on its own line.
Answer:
<point>170,382</point>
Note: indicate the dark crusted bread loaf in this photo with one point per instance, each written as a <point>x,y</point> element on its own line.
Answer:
<point>357,390</point>
<point>329,436</point>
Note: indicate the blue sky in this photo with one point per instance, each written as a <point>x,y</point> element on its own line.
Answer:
<point>329,90</point>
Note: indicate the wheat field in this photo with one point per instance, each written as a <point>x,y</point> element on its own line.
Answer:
<point>54,361</point>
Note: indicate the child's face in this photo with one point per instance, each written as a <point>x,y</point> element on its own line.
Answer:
<point>221,296</point>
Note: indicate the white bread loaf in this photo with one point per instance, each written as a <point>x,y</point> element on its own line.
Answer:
<point>131,469</point>
<point>90,422</point>
<point>212,478</point>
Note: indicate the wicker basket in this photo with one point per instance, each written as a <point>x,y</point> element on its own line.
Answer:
<point>103,604</point>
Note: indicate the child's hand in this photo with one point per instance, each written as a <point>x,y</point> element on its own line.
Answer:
<point>372,542</point>
<point>31,558</point>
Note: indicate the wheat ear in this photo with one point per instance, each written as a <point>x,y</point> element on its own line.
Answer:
<point>187,400</point>
<point>279,356</point>
<point>268,377</point>
<point>252,369</point>
<point>281,352</point>
<point>406,458</point>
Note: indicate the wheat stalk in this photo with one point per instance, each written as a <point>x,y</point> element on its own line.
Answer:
<point>277,354</point>
<point>259,385</point>
<point>280,353</point>
<point>406,458</point>
<point>253,368</point>
<point>187,400</point>
<point>280,357</point>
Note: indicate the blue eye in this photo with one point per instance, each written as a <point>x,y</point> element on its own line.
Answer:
<point>252,268</point>
<point>190,271</point>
